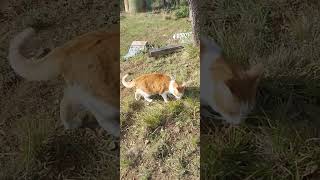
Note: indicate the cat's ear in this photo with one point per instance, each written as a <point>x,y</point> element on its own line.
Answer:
<point>256,72</point>
<point>185,84</point>
<point>181,88</point>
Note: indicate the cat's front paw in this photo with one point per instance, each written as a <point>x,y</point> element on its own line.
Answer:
<point>149,100</point>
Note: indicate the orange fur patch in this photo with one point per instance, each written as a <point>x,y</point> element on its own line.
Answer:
<point>89,65</point>
<point>155,83</point>
<point>241,83</point>
<point>92,61</point>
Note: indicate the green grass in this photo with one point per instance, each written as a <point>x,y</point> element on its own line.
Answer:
<point>160,139</point>
<point>152,116</point>
<point>149,27</point>
<point>35,132</point>
<point>280,139</point>
<point>182,12</point>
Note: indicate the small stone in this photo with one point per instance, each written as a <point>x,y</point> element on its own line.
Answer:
<point>146,142</point>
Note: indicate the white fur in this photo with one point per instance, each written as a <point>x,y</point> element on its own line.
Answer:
<point>145,95</point>
<point>43,69</point>
<point>105,114</point>
<point>209,87</point>
<point>165,96</point>
<point>172,89</point>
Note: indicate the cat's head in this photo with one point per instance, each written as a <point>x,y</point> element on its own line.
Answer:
<point>177,89</point>
<point>233,88</point>
<point>236,95</point>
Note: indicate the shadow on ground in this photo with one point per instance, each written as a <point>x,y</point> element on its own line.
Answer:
<point>193,92</point>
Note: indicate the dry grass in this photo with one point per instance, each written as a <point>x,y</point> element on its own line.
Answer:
<point>34,145</point>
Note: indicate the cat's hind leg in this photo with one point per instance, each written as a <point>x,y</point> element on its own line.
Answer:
<point>145,95</point>
<point>68,110</point>
<point>106,115</point>
<point>147,98</point>
<point>137,95</point>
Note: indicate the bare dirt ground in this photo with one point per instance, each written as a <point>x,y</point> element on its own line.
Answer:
<point>34,145</point>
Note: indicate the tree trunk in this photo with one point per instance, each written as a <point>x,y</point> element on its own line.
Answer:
<point>190,13</point>
<point>164,4</point>
<point>136,6</point>
<point>126,6</point>
<point>194,15</point>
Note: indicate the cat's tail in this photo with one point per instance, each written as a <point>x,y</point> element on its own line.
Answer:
<point>127,84</point>
<point>43,69</point>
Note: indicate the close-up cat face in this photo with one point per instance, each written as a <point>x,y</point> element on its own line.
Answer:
<point>229,89</point>
<point>237,94</point>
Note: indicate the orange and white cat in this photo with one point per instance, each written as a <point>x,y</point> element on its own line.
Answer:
<point>89,65</point>
<point>155,84</point>
<point>226,88</point>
